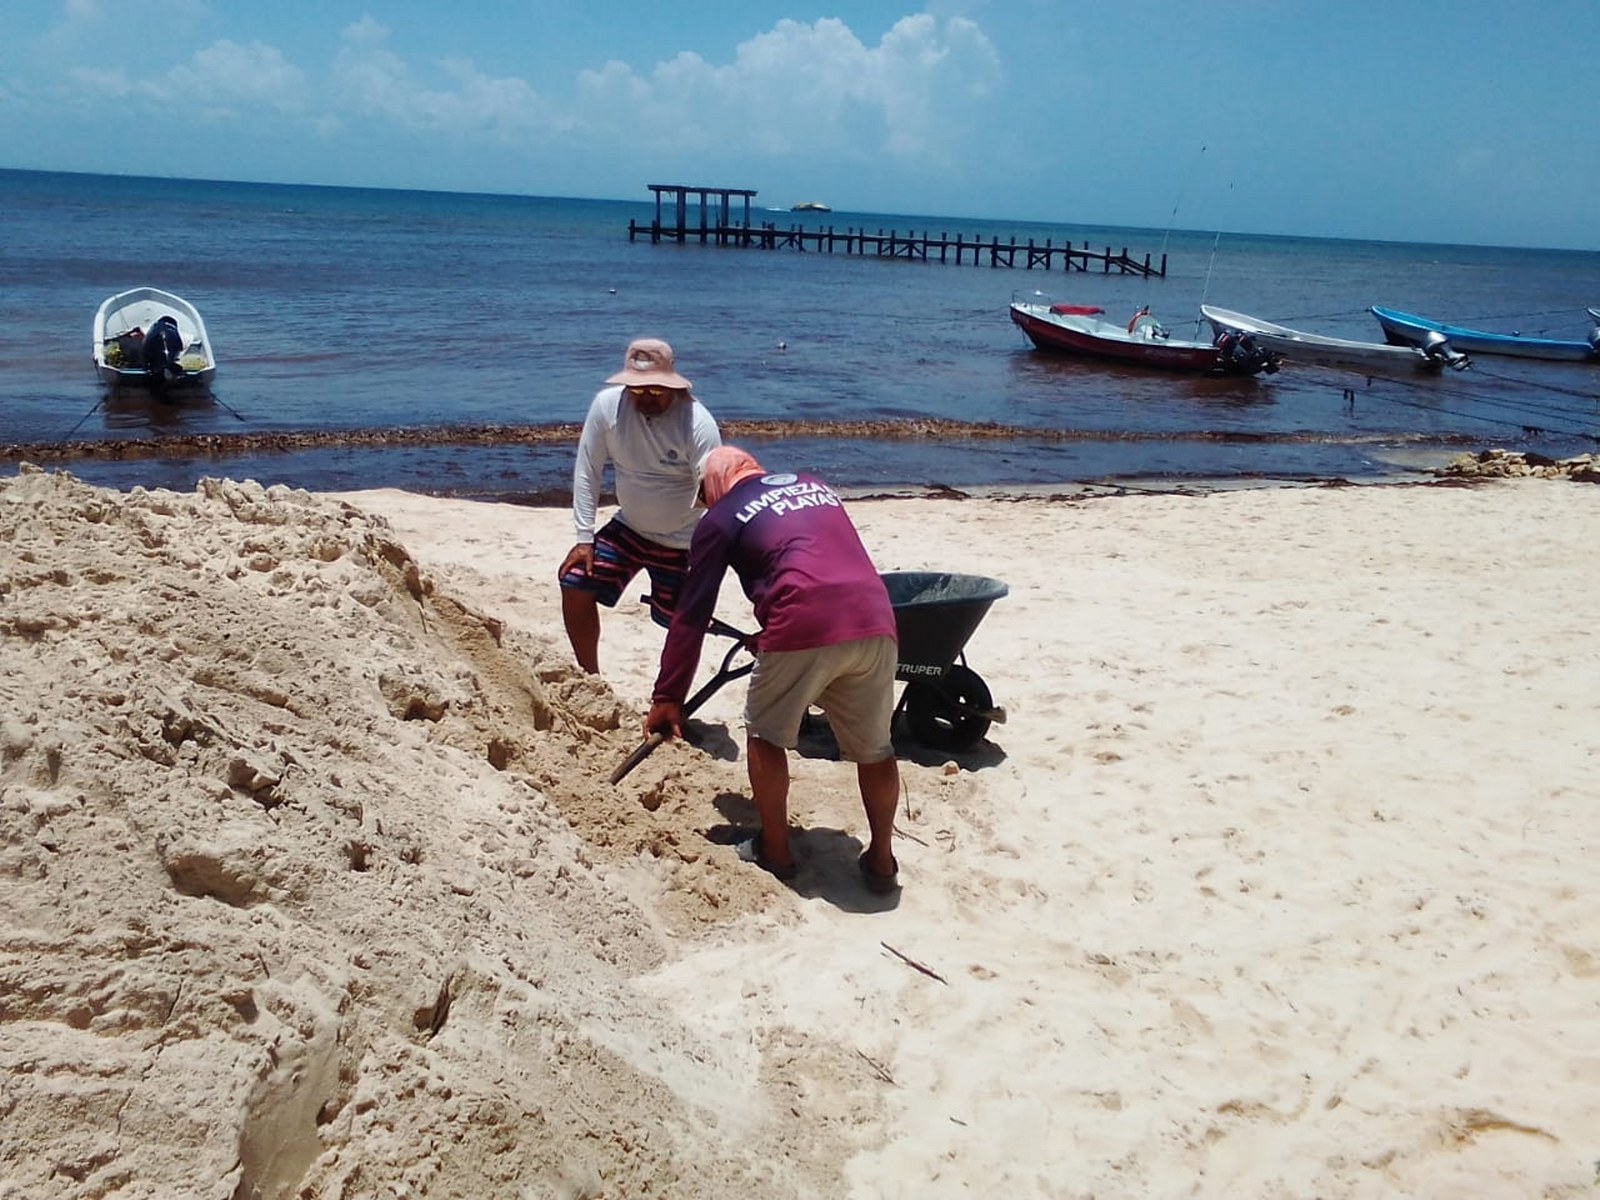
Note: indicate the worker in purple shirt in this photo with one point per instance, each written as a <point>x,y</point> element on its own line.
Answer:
<point>827,638</point>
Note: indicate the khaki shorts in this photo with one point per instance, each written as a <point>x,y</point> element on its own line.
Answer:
<point>852,682</point>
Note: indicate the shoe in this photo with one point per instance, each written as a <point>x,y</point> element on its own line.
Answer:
<point>879,885</point>
<point>750,852</point>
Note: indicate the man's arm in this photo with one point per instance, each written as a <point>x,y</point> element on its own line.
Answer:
<point>707,437</point>
<point>588,471</point>
<point>697,601</point>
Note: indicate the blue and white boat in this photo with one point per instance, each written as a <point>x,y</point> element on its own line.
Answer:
<point>1404,329</point>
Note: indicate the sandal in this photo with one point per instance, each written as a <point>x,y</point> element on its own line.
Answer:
<point>879,885</point>
<point>750,852</point>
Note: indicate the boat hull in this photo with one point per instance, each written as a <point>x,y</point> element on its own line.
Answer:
<point>1346,354</point>
<point>117,360</point>
<point>138,377</point>
<point>1407,329</point>
<point>1085,337</point>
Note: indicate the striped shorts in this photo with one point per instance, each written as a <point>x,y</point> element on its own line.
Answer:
<point>619,555</point>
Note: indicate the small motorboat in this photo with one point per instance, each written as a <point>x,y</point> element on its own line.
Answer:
<point>1347,354</point>
<point>1405,329</point>
<point>1078,329</point>
<point>153,340</point>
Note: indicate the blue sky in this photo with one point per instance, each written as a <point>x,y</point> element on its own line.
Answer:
<point>1410,120</point>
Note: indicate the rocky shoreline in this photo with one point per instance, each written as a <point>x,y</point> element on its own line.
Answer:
<point>1507,464</point>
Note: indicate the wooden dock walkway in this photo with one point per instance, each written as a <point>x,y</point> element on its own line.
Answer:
<point>722,230</point>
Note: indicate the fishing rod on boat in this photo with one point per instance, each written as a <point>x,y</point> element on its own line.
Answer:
<point>1172,219</point>
<point>1205,288</point>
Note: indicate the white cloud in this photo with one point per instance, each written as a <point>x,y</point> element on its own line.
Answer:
<point>370,80</point>
<point>798,89</point>
<point>228,78</point>
<point>76,28</point>
<point>802,88</point>
<point>223,80</point>
<point>99,23</point>
<point>365,31</point>
<point>96,82</point>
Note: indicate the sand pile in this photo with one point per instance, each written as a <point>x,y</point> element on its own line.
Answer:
<point>290,901</point>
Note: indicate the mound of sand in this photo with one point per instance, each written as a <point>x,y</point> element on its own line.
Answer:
<point>313,883</point>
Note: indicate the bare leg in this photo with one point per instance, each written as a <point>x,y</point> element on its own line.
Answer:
<point>880,796</point>
<point>769,783</point>
<point>581,612</point>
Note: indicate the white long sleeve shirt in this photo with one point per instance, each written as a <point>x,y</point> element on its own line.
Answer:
<point>653,460</point>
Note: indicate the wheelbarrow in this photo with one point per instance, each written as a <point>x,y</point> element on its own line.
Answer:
<point>946,704</point>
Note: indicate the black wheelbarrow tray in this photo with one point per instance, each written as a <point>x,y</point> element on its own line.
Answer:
<point>946,704</point>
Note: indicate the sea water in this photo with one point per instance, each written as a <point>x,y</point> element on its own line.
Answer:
<point>337,310</point>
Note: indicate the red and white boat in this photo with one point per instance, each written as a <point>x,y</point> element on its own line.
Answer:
<point>1079,329</point>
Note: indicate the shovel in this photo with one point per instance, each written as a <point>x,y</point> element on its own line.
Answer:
<point>725,674</point>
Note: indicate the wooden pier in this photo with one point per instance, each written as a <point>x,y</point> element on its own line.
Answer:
<point>717,228</point>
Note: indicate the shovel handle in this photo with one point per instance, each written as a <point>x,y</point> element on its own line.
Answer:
<point>727,672</point>
<point>640,753</point>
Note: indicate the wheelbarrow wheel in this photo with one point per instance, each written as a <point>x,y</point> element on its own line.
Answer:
<point>946,716</point>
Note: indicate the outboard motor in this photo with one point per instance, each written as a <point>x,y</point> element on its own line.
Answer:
<point>163,347</point>
<point>1240,354</point>
<point>1437,347</point>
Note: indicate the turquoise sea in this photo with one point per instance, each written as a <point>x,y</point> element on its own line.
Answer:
<point>446,343</point>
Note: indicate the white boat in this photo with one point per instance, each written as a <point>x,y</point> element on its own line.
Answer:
<point>150,339</point>
<point>1344,354</point>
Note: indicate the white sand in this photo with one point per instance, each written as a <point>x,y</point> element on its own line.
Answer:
<point>1278,881</point>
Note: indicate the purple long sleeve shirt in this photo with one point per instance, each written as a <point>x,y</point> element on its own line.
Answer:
<point>801,563</point>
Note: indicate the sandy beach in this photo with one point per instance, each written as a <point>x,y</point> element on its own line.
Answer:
<point>1277,880</point>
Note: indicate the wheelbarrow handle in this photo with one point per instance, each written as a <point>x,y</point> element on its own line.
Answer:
<point>725,674</point>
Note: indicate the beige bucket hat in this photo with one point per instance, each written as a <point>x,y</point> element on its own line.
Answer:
<point>649,363</point>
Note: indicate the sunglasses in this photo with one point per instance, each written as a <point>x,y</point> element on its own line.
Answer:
<point>655,393</point>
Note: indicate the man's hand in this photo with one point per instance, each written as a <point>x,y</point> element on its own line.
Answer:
<point>666,718</point>
<point>583,553</point>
